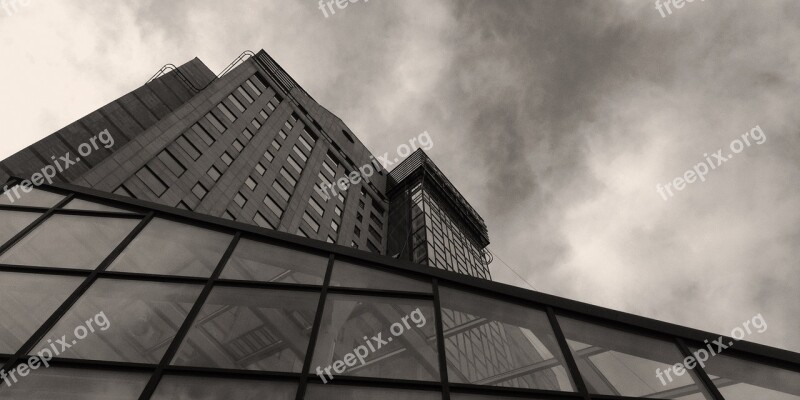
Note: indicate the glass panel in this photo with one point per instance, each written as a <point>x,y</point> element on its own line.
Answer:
<point>331,392</point>
<point>13,222</point>
<point>355,276</point>
<point>15,196</point>
<point>617,362</point>
<point>492,342</point>
<point>26,301</point>
<point>206,388</point>
<point>739,379</point>
<point>464,396</point>
<point>254,329</point>
<point>70,241</point>
<point>400,339</point>
<point>122,320</point>
<point>57,383</point>
<point>172,248</point>
<point>79,204</point>
<point>256,261</point>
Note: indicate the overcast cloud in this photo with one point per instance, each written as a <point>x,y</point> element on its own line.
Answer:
<point>556,119</point>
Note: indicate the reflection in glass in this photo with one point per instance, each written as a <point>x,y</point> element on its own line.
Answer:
<point>26,301</point>
<point>36,198</point>
<point>739,379</point>
<point>330,392</point>
<point>172,248</point>
<point>205,388</point>
<point>258,261</point>
<point>70,241</point>
<point>411,354</point>
<point>139,320</point>
<point>253,329</point>
<point>12,223</point>
<point>80,204</point>
<point>355,276</point>
<point>465,396</point>
<point>55,383</point>
<point>492,342</point>
<point>618,362</point>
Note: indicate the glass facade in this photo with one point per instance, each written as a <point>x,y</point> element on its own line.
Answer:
<point>143,303</point>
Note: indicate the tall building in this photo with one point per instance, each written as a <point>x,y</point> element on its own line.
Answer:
<point>180,253</point>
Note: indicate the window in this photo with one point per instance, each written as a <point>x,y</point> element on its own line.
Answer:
<point>214,173</point>
<point>281,191</point>
<point>247,135</point>
<point>282,134</point>
<point>304,142</point>
<point>328,169</point>
<point>340,197</point>
<point>236,102</point>
<point>295,165</point>
<point>245,94</point>
<point>199,190</point>
<point>357,231</point>
<point>253,87</point>
<point>359,217</point>
<point>260,80</point>
<point>227,112</point>
<point>186,387</point>
<point>256,124</point>
<point>310,135</point>
<point>273,206</point>
<point>334,226</point>
<point>214,121</point>
<point>203,134</point>
<point>183,206</point>
<point>261,221</point>
<point>239,199</point>
<point>172,163</point>
<point>123,191</point>
<point>300,153</point>
<point>347,274</point>
<point>271,106</point>
<point>310,221</point>
<point>330,240</point>
<point>153,182</point>
<point>276,145</point>
<point>375,233</point>
<point>338,211</point>
<point>268,156</point>
<point>347,135</point>
<point>293,117</point>
<point>376,220</point>
<point>238,145</point>
<point>316,206</point>
<point>372,247</point>
<point>288,177</point>
<point>188,147</point>
<point>250,183</point>
<point>261,169</point>
<point>228,215</point>
<point>300,232</point>
<point>226,158</point>
<point>361,204</point>
<point>288,125</point>
<point>341,392</point>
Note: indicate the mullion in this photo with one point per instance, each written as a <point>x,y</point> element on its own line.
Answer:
<point>179,337</point>
<point>80,291</point>
<point>572,366</point>
<point>312,341</point>
<point>440,344</point>
<point>33,225</point>
<point>701,372</point>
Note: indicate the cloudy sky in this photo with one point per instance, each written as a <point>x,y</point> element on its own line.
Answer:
<point>556,119</point>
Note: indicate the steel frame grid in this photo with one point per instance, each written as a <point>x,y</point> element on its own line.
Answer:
<point>552,304</point>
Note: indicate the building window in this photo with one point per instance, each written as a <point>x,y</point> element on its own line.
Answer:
<point>214,173</point>
<point>301,233</point>
<point>247,135</point>
<point>305,143</point>
<point>255,124</point>
<point>295,165</point>
<point>172,163</point>
<point>236,102</point>
<point>294,117</point>
<point>271,106</point>
<point>268,156</point>
<point>214,121</point>
<point>313,203</point>
<point>340,197</point>
<point>238,145</point>
<point>245,94</point>
<point>330,240</point>
<point>372,247</point>
<point>228,215</point>
<point>199,190</point>
<point>203,134</point>
<point>375,233</point>
<point>276,145</point>
<point>261,221</point>
<point>288,126</point>
<point>359,217</point>
<point>240,199</point>
<point>347,135</point>
<point>152,181</point>
<point>260,169</point>
<point>123,191</point>
<point>188,147</point>
<point>310,221</point>
<point>226,112</point>
<point>281,191</point>
<point>361,204</point>
<point>226,158</point>
<point>282,134</point>
<point>288,177</point>
<point>253,87</point>
<point>263,114</point>
<point>250,183</point>
<point>328,169</point>
<point>183,206</point>
<point>300,153</point>
<point>273,206</point>
<point>338,211</point>
<point>357,231</point>
<point>376,220</point>
<point>334,226</point>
